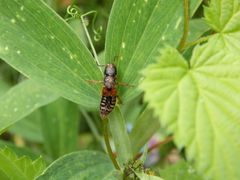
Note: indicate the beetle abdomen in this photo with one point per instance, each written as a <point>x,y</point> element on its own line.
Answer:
<point>107,105</point>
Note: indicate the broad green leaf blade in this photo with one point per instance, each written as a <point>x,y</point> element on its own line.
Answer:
<point>223,15</point>
<point>29,128</point>
<point>22,168</point>
<point>199,103</point>
<point>39,44</point>
<point>63,116</point>
<point>120,136</point>
<point>143,130</point>
<point>21,100</point>
<point>79,165</point>
<point>180,169</point>
<point>136,31</point>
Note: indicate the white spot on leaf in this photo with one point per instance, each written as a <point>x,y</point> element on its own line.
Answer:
<point>123,45</point>
<point>13,21</point>
<point>15,109</point>
<point>18,52</point>
<point>22,8</point>
<point>6,48</point>
<point>76,91</point>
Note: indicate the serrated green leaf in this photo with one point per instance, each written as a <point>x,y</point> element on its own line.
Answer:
<point>19,167</point>
<point>223,15</point>
<point>199,103</point>
<point>136,31</point>
<point>21,100</point>
<point>86,165</point>
<point>120,136</point>
<point>63,116</point>
<point>230,42</point>
<point>179,170</point>
<point>39,44</point>
<point>29,127</point>
<point>19,151</point>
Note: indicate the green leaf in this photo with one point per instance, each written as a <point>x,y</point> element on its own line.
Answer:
<point>39,44</point>
<point>22,168</point>
<point>3,87</point>
<point>180,169</point>
<point>21,100</point>
<point>29,128</point>
<point>136,31</point>
<point>197,28</point>
<point>19,151</point>
<point>144,176</point>
<point>230,42</point>
<point>79,165</point>
<point>140,134</point>
<point>228,23</point>
<point>223,15</point>
<point>199,103</point>
<point>120,136</point>
<point>63,116</point>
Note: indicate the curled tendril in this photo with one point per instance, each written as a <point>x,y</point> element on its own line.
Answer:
<point>74,12</point>
<point>97,32</point>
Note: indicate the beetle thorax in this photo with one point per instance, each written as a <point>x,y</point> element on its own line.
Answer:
<point>109,82</point>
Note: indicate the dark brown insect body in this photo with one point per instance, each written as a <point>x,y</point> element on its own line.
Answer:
<point>109,91</point>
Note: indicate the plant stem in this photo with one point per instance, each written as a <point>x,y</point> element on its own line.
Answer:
<point>198,41</point>
<point>106,139</point>
<point>186,26</point>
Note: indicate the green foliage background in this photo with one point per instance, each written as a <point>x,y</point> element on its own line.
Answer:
<point>48,108</point>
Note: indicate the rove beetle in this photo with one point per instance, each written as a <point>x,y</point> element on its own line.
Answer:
<point>109,91</point>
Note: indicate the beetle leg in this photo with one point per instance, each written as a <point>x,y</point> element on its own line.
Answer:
<point>119,101</point>
<point>94,81</point>
<point>125,84</point>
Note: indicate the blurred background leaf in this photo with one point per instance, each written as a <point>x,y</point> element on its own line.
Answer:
<point>21,100</point>
<point>29,127</point>
<point>60,127</point>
